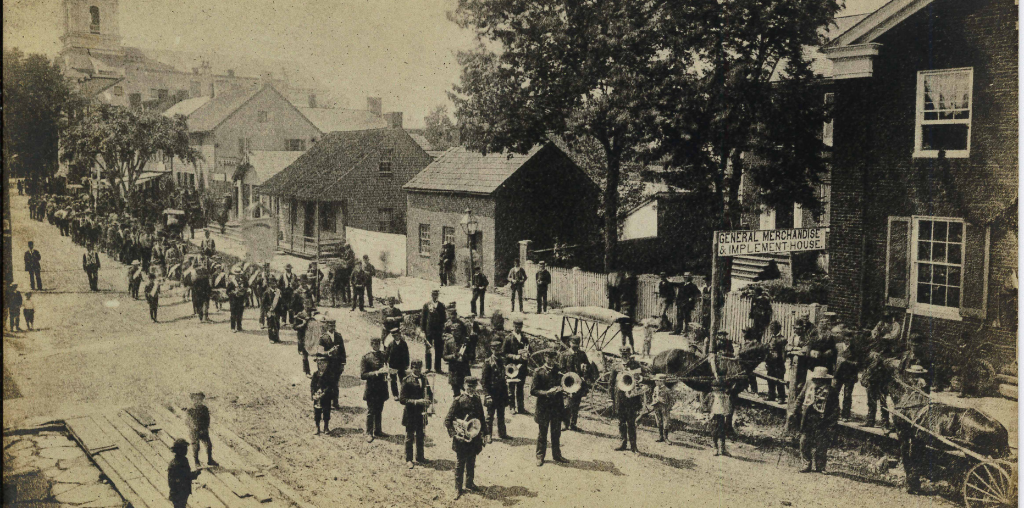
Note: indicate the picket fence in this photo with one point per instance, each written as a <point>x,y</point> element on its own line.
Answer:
<point>736,315</point>
<point>570,287</point>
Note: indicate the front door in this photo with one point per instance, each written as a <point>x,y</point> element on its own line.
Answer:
<point>309,222</point>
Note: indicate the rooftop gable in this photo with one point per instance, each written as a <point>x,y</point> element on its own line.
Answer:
<point>466,171</point>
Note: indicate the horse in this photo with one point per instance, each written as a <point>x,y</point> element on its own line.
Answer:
<point>926,419</point>
<point>696,373</point>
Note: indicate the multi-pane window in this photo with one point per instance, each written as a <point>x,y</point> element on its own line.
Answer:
<point>295,145</point>
<point>448,234</point>
<point>385,220</point>
<point>944,112</point>
<point>262,116</point>
<point>938,261</point>
<point>386,157</point>
<point>425,239</point>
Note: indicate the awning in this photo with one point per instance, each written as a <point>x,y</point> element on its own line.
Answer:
<point>147,176</point>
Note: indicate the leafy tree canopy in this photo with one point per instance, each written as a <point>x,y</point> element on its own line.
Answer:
<point>440,131</point>
<point>120,142</point>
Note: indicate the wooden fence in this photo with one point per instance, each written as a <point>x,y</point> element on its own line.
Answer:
<point>736,315</point>
<point>570,287</point>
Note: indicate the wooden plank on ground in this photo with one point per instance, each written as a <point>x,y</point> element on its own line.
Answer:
<point>244,449</point>
<point>138,481</point>
<point>288,492</point>
<point>141,415</point>
<point>224,493</point>
<point>88,435</point>
<point>120,483</point>
<point>140,454</point>
<point>232,482</point>
<point>258,491</point>
<point>144,432</point>
<point>140,474</point>
<point>223,454</point>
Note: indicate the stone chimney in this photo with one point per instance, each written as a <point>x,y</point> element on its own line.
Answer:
<point>393,119</point>
<point>374,105</point>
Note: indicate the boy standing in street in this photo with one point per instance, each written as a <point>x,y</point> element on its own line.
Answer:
<point>28,307</point>
<point>153,296</point>
<point>198,422</point>
<point>180,475</point>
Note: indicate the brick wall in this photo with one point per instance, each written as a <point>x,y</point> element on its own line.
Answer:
<point>875,174</point>
<point>446,209</point>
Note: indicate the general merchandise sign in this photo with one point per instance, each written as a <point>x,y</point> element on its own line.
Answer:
<point>769,241</point>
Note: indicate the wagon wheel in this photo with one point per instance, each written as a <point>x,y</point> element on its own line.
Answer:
<point>990,484</point>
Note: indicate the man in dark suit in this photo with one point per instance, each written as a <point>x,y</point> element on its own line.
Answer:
<point>391,319</point>
<point>516,280</point>
<point>432,320</point>
<point>466,406</point>
<point>543,281</point>
<point>480,284</point>
<point>320,392</point>
<point>374,370</point>
<point>288,282</point>
<point>398,360</point>
<point>547,387</point>
<point>91,265</point>
<point>32,266</point>
<point>512,351</point>
<point>333,345</point>
<point>626,405</point>
<point>574,360</point>
<point>455,349</point>
<point>416,396</point>
<point>495,391</point>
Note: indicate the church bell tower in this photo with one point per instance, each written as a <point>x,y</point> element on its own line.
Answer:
<point>92,25</point>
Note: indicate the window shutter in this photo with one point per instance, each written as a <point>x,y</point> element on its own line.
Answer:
<point>976,238</point>
<point>897,262</point>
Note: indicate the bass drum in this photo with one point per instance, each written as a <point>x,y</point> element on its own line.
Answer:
<point>314,330</point>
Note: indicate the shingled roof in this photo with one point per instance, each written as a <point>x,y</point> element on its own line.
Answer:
<point>467,171</point>
<point>332,120</point>
<point>320,174</point>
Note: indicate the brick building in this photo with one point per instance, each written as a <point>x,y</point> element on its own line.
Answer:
<point>348,179</point>
<point>924,181</point>
<point>537,196</point>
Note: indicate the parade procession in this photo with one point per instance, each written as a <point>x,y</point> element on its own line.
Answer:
<point>621,253</point>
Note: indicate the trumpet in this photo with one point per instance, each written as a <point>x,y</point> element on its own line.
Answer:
<point>628,381</point>
<point>571,382</point>
<point>462,353</point>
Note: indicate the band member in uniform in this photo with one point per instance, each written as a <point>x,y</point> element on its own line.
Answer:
<point>466,406</point>
<point>152,290</point>
<point>208,247</point>
<point>574,360</point>
<point>512,349</point>
<point>320,391</point>
<point>237,290</point>
<point>547,388</point>
<point>300,326</point>
<point>516,279</point>
<point>495,391</point>
<point>333,345</point>
<point>432,320</point>
<point>273,302</point>
<point>627,405</point>
<point>91,265</point>
<point>358,280</point>
<point>391,319</point>
<point>134,278</point>
<point>374,370</point>
<point>398,360</point>
<point>458,366</point>
<point>288,283</point>
<point>416,397</point>
<point>819,411</point>
<point>180,475</point>
<point>662,401</point>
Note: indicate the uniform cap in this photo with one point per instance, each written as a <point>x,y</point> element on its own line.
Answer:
<point>416,363</point>
<point>820,373</point>
<point>625,350</point>
<point>517,319</point>
<point>471,380</point>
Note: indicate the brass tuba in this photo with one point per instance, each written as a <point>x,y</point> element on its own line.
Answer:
<point>628,381</point>
<point>466,430</point>
<point>571,382</point>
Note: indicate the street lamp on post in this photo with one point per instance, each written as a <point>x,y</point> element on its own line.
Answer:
<point>469,225</point>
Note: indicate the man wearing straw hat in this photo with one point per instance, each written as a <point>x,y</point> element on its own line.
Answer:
<point>819,403</point>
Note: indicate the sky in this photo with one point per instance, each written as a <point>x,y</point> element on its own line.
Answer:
<point>400,50</point>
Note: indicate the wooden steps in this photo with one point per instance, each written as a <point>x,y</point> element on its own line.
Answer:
<point>133,448</point>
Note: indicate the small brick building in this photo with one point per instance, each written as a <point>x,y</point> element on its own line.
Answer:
<point>924,180</point>
<point>537,196</point>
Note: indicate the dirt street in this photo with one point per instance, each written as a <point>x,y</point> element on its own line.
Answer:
<point>100,349</point>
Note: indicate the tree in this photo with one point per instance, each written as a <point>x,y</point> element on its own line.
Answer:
<point>120,142</point>
<point>584,72</point>
<point>440,130</point>
<point>35,96</point>
<point>751,93</point>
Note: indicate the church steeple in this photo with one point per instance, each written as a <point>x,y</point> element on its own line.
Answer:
<point>92,25</point>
